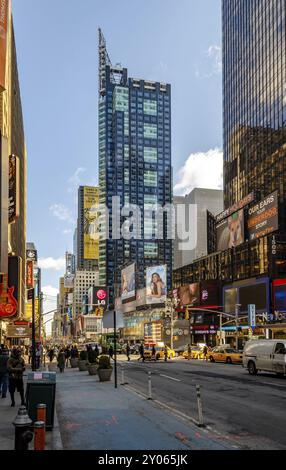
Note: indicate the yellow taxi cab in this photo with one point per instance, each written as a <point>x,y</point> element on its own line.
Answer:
<point>224,354</point>
<point>160,352</point>
<point>197,352</point>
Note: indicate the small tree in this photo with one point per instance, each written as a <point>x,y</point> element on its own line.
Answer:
<point>104,362</point>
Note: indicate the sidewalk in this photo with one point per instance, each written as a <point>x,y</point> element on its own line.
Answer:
<point>96,416</point>
<point>7,430</point>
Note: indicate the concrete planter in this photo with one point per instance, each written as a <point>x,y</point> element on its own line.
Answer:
<point>104,374</point>
<point>74,362</point>
<point>83,366</point>
<point>92,369</point>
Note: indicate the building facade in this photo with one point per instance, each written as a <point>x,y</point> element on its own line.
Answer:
<point>195,221</point>
<point>134,166</point>
<point>250,254</point>
<point>83,280</point>
<point>86,233</point>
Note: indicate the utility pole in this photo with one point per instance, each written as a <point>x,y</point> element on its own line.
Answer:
<point>236,324</point>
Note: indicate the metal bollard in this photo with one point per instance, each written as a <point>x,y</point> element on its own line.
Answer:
<point>200,408</point>
<point>40,435</point>
<point>41,412</point>
<point>149,387</point>
<point>23,434</point>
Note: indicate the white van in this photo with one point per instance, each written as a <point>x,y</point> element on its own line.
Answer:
<point>265,354</point>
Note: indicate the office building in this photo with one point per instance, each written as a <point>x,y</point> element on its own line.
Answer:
<point>194,221</point>
<point>135,166</point>
<point>86,234</point>
<point>83,280</point>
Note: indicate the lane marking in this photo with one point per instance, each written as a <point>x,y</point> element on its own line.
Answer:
<point>168,377</point>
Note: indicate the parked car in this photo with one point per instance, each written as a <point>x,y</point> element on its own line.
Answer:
<point>160,352</point>
<point>224,354</point>
<point>265,355</point>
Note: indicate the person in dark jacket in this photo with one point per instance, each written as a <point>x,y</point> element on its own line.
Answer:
<point>51,354</point>
<point>141,352</point>
<point>96,351</point>
<point>61,360</point>
<point>110,351</point>
<point>128,351</point>
<point>68,355</point>
<point>16,367</point>
<point>153,353</point>
<point>4,356</point>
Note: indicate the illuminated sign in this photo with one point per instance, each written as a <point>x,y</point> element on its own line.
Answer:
<point>239,205</point>
<point>8,303</point>
<point>263,217</point>
<point>30,275</point>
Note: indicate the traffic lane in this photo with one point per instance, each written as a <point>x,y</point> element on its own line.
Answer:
<point>248,414</point>
<point>234,372</point>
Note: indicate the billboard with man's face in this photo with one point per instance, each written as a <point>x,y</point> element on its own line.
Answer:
<point>156,284</point>
<point>230,231</point>
<point>128,283</point>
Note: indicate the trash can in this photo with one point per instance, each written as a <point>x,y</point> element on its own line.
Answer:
<point>41,388</point>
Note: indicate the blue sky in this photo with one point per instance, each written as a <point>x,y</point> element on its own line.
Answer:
<point>173,41</point>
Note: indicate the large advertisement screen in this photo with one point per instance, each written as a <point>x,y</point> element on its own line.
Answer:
<point>91,214</point>
<point>230,300</point>
<point>156,284</point>
<point>263,217</point>
<point>230,231</point>
<point>189,294</point>
<point>210,294</point>
<point>128,283</point>
<point>245,293</point>
<point>279,295</point>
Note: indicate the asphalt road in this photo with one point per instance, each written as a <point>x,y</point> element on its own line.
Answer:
<point>247,410</point>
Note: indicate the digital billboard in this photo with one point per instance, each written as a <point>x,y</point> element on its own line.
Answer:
<point>189,294</point>
<point>97,300</point>
<point>230,299</point>
<point>91,218</point>
<point>128,283</point>
<point>210,293</point>
<point>248,292</point>
<point>263,217</point>
<point>156,285</point>
<point>279,295</point>
<point>230,231</point>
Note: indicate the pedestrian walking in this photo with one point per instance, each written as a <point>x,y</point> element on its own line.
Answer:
<point>166,352</point>
<point>110,351</point>
<point>16,367</point>
<point>189,352</point>
<point>128,351</point>
<point>205,352</point>
<point>30,354</point>
<point>141,352</point>
<point>67,355</point>
<point>4,356</point>
<point>61,360</point>
<point>96,351</point>
<point>153,353</point>
<point>51,354</point>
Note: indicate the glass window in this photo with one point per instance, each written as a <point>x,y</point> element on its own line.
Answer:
<point>150,178</point>
<point>150,154</point>
<point>150,107</point>
<point>150,131</point>
<point>150,250</point>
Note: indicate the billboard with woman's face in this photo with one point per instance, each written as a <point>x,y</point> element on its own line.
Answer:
<point>156,285</point>
<point>128,283</point>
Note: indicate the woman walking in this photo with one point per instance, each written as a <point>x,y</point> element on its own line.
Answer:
<point>61,360</point>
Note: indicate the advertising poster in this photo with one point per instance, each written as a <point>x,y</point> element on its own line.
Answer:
<point>210,294</point>
<point>156,285</point>
<point>128,283</point>
<point>263,217</point>
<point>91,233</point>
<point>14,203</point>
<point>189,294</point>
<point>230,231</point>
<point>68,281</point>
<point>32,255</point>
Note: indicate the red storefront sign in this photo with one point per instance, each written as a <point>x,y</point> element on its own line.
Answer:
<point>8,303</point>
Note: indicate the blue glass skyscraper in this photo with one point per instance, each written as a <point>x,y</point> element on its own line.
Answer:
<point>135,165</point>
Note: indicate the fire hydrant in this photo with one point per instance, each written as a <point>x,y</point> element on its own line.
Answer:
<point>23,434</point>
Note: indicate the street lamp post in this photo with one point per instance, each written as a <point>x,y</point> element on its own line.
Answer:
<point>236,324</point>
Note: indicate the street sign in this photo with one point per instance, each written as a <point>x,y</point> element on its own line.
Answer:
<point>251,315</point>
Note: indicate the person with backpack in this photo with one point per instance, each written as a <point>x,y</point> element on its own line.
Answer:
<point>16,367</point>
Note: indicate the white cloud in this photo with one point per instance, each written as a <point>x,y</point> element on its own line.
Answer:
<point>215,54</point>
<point>67,231</point>
<point>211,63</point>
<point>75,180</point>
<point>62,213</point>
<point>50,303</point>
<point>52,263</point>
<point>201,170</point>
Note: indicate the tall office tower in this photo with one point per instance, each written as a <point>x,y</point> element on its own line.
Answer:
<point>87,232</point>
<point>75,246</point>
<point>12,157</point>
<point>134,165</point>
<point>254,105</point>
